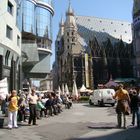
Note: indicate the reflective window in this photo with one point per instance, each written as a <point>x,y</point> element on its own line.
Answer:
<point>10,8</point>
<point>47,1</point>
<point>44,18</point>
<point>9,32</point>
<point>18,40</point>
<point>29,17</point>
<point>19,16</point>
<point>38,21</point>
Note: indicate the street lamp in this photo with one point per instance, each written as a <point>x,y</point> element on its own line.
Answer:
<point>82,56</point>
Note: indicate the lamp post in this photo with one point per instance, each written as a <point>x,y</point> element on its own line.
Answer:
<point>91,72</point>
<point>83,75</point>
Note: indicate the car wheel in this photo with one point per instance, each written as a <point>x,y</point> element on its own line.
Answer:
<point>90,103</point>
<point>100,103</point>
<point>112,104</point>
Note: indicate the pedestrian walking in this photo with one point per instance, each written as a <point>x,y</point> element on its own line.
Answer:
<point>135,107</point>
<point>12,110</point>
<point>32,106</point>
<point>122,107</point>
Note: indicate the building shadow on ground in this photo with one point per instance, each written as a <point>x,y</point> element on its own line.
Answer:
<point>95,106</point>
<point>110,132</point>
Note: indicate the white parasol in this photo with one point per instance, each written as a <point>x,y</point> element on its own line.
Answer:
<point>75,90</point>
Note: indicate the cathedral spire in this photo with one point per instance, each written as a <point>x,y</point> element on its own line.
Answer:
<point>70,11</point>
<point>61,28</point>
<point>70,19</point>
<point>61,22</point>
<point>69,2</point>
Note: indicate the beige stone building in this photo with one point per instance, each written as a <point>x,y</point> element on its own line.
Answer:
<point>90,49</point>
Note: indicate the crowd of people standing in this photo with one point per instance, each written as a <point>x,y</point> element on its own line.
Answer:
<point>28,107</point>
<point>31,106</point>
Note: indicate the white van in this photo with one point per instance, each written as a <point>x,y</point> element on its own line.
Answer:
<point>101,97</point>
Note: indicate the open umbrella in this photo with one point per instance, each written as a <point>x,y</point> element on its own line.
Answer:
<point>83,88</point>
<point>63,89</point>
<point>59,91</point>
<point>111,83</point>
<point>75,90</point>
<point>66,89</point>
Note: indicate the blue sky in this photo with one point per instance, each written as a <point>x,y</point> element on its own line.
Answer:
<point>112,9</point>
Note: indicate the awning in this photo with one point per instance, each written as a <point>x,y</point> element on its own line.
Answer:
<point>83,89</point>
<point>111,83</point>
<point>123,80</point>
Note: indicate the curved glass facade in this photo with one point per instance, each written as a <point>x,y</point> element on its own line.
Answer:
<point>47,1</point>
<point>29,24</point>
<point>44,18</point>
<point>37,19</point>
<point>18,16</point>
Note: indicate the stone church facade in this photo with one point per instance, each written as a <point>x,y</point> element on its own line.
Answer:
<point>89,50</point>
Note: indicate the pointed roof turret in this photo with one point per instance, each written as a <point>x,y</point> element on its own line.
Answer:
<point>61,29</point>
<point>70,20</point>
<point>61,22</point>
<point>69,11</point>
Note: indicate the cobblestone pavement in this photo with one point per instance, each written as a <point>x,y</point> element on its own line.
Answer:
<point>82,122</point>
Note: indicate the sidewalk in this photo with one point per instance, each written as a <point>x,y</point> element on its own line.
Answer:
<point>107,131</point>
<point>79,123</point>
<point>3,120</point>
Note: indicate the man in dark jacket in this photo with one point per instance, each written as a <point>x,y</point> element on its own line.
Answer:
<point>134,107</point>
<point>48,105</point>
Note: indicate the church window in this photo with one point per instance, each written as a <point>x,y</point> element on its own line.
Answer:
<point>68,40</point>
<point>73,39</point>
<point>67,33</point>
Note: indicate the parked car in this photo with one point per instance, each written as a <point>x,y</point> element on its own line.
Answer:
<point>101,97</point>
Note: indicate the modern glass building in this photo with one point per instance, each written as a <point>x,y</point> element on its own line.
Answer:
<point>36,37</point>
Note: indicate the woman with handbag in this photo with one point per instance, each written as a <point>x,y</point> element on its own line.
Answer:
<point>122,107</point>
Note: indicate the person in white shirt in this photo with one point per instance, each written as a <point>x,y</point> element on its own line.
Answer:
<point>32,98</point>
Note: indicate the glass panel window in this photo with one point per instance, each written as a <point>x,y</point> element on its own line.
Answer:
<point>9,32</point>
<point>10,8</point>
<point>43,22</point>
<point>29,19</point>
